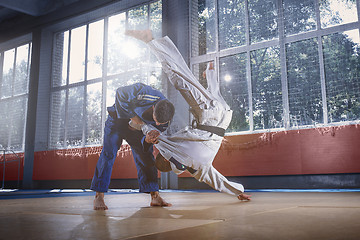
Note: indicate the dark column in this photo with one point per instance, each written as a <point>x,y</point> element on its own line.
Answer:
<point>31,111</point>
<point>176,27</point>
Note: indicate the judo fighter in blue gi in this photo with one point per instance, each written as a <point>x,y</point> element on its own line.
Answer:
<point>135,104</point>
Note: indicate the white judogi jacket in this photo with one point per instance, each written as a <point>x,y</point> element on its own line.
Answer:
<point>191,147</point>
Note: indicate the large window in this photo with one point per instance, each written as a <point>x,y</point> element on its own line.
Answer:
<point>282,64</point>
<point>89,63</point>
<point>14,89</point>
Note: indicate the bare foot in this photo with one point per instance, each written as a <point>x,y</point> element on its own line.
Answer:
<point>244,196</point>
<point>99,203</point>
<point>157,201</point>
<point>211,65</point>
<point>143,35</point>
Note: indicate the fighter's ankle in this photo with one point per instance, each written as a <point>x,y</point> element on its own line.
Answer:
<point>154,194</point>
<point>99,195</point>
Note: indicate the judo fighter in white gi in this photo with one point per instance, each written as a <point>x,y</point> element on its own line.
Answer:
<point>192,148</point>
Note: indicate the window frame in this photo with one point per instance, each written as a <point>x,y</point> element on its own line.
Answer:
<point>280,42</point>
<point>102,14</point>
<point>6,46</point>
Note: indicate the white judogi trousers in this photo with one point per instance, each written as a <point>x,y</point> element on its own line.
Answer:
<point>193,147</point>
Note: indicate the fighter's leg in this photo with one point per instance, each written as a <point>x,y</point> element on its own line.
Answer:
<point>144,161</point>
<point>101,179</point>
<point>146,170</point>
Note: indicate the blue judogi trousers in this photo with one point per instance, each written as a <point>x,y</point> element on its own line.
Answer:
<point>115,131</point>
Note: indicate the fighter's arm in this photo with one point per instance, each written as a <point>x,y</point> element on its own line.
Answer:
<point>217,181</point>
<point>151,136</point>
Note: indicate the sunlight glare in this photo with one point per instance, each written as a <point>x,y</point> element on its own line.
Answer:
<point>227,78</point>
<point>131,50</point>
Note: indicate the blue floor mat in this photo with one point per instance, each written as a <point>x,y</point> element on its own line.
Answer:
<point>19,194</point>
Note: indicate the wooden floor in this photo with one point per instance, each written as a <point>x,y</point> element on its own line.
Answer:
<point>194,215</point>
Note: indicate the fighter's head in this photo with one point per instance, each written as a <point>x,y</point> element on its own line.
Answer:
<point>162,164</point>
<point>163,112</point>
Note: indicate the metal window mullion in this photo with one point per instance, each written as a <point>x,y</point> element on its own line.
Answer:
<point>85,119</point>
<point>68,59</point>
<point>249,88</point>
<point>217,67</point>
<point>27,94</point>
<point>13,73</point>
<point>322,79</point>
<point>217,42</point>
<point>1,71</point>
<point>190,4</point>
<point>147,68</point>
<point>283,67</point>
<point>12,95</point>
<point>126,67</point>
<point>104,74</point>
<point>358,12</point>
<point>67,91</point>
<point>148,16</point>
<point>24,129</point>
<point>66,117</point>
<point>317,15</point>
<point>321,63</point>
<point>127,19</point>
<point>216,57</point>
<point>28,66</point>
<point>248,66</point>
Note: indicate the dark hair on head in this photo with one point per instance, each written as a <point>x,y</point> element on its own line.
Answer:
<point>164,111</point>
<point>162,164</point>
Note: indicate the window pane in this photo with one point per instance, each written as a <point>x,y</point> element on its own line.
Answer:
<point>74,128</point>
<point>137,57</point>
<point>74,124</point>
<point>138,18</point>
<point>116,38</point>
<point>57,120</point>
<point>124,80</point>
<point>65,56</point>
<point>342,75</point>
<point>203,27</point>
<point>304,83</point>
<point>154,77</point>
<point>17,111</point>
<point>93,110</point>
<point>231,23</point>
<point>234,89</point>
<point>77,55</point>
<point>263,20</point>
<point>156,19</point>
<point>299,16</point>
<point>5,124</point>
<point>335,12</point>
<point>198,70</point>
<point>21,70</point>
<point>8,73</point>
<point>266,88</point>
<point>60,59</point>
<point>111,87</point>
<point>95,49</point>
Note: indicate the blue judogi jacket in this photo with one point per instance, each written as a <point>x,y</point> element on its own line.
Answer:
<point>134,100</point>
